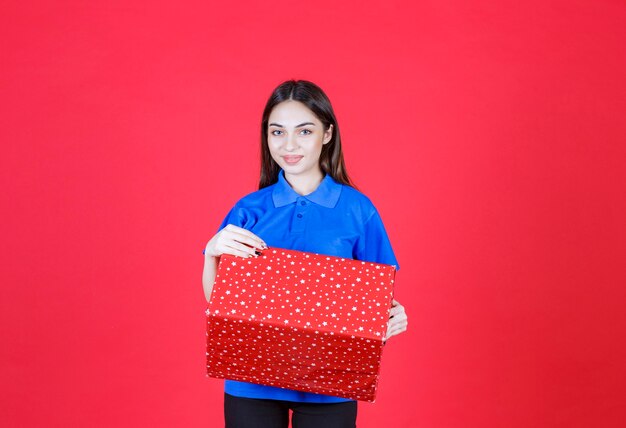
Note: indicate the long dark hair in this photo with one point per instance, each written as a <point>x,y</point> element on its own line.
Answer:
<point>312,96</point>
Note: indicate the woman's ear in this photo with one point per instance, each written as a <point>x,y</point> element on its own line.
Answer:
<point>328,134</point>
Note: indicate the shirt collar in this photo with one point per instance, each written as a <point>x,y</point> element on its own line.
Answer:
<point>326,194</point>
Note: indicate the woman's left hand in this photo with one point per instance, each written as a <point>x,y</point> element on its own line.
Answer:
<point>398,320</point>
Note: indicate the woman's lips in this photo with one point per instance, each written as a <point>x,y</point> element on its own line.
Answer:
<point>292,160</point>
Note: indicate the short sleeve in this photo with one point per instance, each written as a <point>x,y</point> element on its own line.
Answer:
<point>235,216</point>
<point>374,245</point>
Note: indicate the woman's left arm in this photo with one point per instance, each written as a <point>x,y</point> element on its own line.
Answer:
<point>398,320</point>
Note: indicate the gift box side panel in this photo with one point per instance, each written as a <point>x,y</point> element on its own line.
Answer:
<point>312,361</point>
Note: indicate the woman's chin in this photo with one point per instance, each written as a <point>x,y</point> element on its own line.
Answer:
<point>291,168</point>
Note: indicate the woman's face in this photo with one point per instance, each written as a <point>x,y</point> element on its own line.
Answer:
<point>295,137</point>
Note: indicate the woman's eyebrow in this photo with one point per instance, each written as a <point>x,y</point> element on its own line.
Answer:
<point>297,126</point>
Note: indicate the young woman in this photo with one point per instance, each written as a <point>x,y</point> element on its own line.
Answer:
<point>305,202</point>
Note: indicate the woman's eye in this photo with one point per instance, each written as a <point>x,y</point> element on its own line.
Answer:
<point>307,131</point>
<point>274,132</point>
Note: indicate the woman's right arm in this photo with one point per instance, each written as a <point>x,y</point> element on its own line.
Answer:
<point>233,240</point>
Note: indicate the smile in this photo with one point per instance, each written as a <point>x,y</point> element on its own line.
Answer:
<point>292,160</point>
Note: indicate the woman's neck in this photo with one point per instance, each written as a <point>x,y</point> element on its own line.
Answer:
<point>305,184</point>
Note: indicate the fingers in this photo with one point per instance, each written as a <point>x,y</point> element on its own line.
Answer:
<point>396,310</point>
<point>232,237</point>
<point>398,321</point>
<point>393,333</point>
<point>237,241</point>
<point>246,236</point>
<point>394,330</point>
<point>243,243</point>
<point>237,249</point>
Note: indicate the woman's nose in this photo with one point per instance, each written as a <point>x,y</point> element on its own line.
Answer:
<point>291,143</point>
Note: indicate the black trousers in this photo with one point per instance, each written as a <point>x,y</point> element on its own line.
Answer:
<point>242,412</point>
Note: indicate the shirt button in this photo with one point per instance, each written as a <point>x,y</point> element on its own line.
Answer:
<point>302,203</point>
<point>299,215</point>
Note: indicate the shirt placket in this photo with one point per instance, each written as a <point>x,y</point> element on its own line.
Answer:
<point>300,215</point>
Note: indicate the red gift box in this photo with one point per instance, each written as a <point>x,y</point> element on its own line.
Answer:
<point>298,320</point>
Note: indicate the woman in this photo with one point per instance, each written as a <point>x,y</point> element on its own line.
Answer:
<point>305,202</point>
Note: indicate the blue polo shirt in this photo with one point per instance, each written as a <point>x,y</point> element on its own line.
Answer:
<point>335,220</point>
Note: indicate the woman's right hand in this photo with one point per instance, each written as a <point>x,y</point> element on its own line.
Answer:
<point>234,240</point>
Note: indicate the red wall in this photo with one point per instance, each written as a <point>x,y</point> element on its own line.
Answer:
<point>490,135</point>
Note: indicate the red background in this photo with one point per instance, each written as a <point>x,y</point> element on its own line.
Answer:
<point>490,135</point>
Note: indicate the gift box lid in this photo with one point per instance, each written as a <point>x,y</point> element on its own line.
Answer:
<point>308,291</point>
